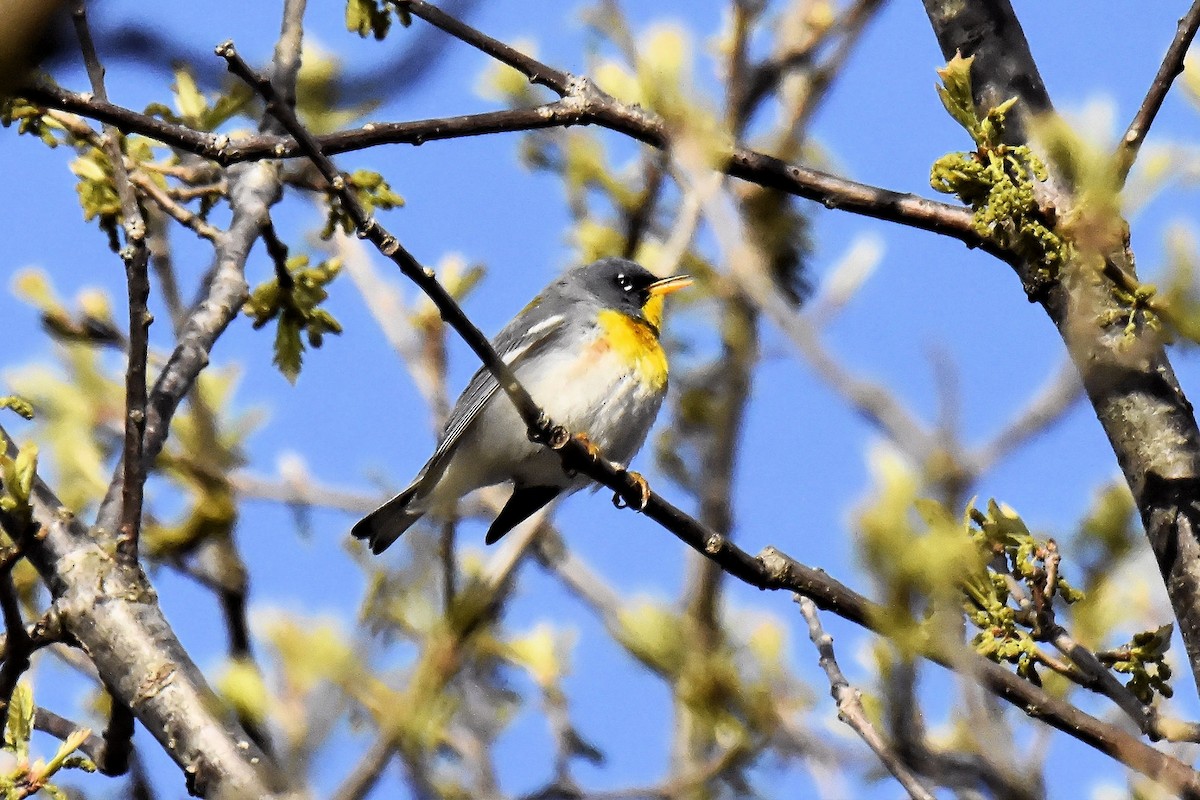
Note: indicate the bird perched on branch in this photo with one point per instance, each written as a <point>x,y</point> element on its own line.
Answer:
<point>587,350</point>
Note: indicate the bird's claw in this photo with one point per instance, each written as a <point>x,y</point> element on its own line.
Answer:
<point>593,452</point>
<point>638,487</point>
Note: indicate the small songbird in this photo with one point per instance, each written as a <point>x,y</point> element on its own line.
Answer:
<point>587,350</point>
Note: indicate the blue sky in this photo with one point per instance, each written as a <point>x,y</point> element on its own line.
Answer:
<point>354,414</point>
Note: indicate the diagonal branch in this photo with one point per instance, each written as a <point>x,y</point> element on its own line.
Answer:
<point>1172,66</point>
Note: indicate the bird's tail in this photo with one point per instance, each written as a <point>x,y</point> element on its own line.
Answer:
<point>385,524</point>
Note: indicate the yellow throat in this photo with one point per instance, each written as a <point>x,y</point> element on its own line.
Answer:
<point>636,341</point>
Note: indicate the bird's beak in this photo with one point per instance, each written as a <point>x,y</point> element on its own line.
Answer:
<point>664,287</point>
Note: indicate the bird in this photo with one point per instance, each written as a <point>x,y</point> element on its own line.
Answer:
<point>588,350</point>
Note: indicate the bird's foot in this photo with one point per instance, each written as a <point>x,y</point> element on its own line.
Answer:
<point>640,490</point>
<point>593,452</point>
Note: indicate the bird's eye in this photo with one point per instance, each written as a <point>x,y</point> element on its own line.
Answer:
<point>625,282</point>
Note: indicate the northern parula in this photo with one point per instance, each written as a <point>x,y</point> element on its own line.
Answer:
<point>587,350</point>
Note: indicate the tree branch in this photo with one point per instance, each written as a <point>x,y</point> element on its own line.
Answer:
<point>850,708</point>
<point>1172,66</point>
<point>583,104</point>
<point>111,609</point>
<point>136,255</point>
<point>18,644</point>
<point>1124,368</point>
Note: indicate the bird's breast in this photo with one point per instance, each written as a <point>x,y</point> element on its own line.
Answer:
<point>635,343</point>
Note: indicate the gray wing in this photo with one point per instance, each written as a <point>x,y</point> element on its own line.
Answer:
<point>529,332</point>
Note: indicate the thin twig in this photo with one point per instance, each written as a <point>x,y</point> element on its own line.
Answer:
<point>177,212</point>
<point>1171,67</point>
<point>850,708</point>
<point>136,256</point>
<point>60,727</point>
<point>308,493</point>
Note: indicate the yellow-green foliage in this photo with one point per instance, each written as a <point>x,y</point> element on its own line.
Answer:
<point>372,192</point>
<point>374,17</point>
<point>204,448</point>
<point>1178,304</point>
<point>199,111</point>
<point>30,119</point>
<point>96,190</point>
<point>16,484</point>
<point>999,531</point>
<point>660,80</point>
<point>81,407</point>
<point>96,187</point>
<point>933,566</point>
<point>654,635</point>
<point>1094,223</point>
<point>654,72</point>
<point>726,690</point>
<point>79,410</point>
<point>27,777</point>
<point>504,84</point>
<point>544,653</point>
<point>294,303</point>
<point>319,101</point>
<point>1143,659</point>
<point>241,685</point>
<point>18,405</point>
<point>919,553</point>
<point>996,180</point>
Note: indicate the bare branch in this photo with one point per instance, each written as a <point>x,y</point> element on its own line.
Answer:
<point>1172,66</point>
<point>849,705</point>
<point>177,212</point>
<point>367,772</point>
<point>18,644</point>
<point>136,256</point>
<point>59,727</point>
<point>583,104</point>
<point>308,493</point>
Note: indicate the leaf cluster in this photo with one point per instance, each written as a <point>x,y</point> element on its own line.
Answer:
<point>30,119</point>
<point>292,298</point>
<point>918,552</point>
<point>199,111</point>
<point>374,17</point>
<point>730,691</point>
<point>996,180</point>
<point>372,192</point>
<point>16,485</point>
<point>1018,563</point>
<point>97,187</point>
<point>18,405</point>
<point>1143,659</point>
<point>26,777</point>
